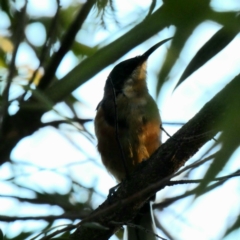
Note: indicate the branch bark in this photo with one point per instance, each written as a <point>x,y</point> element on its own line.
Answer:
<point>152,175</point>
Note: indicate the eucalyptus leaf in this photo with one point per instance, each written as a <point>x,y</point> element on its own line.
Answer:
<point>211,48</point>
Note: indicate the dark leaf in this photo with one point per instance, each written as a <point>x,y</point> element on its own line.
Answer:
<point>229,140</point>
<point>234,227</point>
<point>212,47</point>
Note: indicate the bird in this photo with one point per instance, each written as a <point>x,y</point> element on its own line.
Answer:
<point>127,124</point>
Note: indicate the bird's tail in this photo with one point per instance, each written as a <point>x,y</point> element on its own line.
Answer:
<point>143,225</point>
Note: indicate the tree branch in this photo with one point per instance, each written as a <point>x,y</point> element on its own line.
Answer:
<point>66,43</point>
<point>152,175</point>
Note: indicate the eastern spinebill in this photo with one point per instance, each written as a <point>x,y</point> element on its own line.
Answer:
<point>127,123</point>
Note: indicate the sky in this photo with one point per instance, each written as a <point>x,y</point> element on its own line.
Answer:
<point>174,107</point>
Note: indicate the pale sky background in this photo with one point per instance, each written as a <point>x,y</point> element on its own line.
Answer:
<point>50,149</point>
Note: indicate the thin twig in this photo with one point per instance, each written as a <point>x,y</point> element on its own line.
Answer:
<point>219,182</point>
<point>162,228</point>
<point>193,165</point>
<point>50,218</point>
<point>56,123</point>
<point>186,181</point>
<point>151,8</point>
<point>66,44</point>
<point>161,127</point>
<point>50,236</point>
<point>194,137</point>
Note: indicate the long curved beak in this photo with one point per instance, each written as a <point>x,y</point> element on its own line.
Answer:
<point>153,48</point>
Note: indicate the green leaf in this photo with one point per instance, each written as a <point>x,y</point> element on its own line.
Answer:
<point>94,225</point>
<point>230,142</point>
<point>43,102</point>
<point>234,227</point>
<point>180,13</point>
<point>212,47</point>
